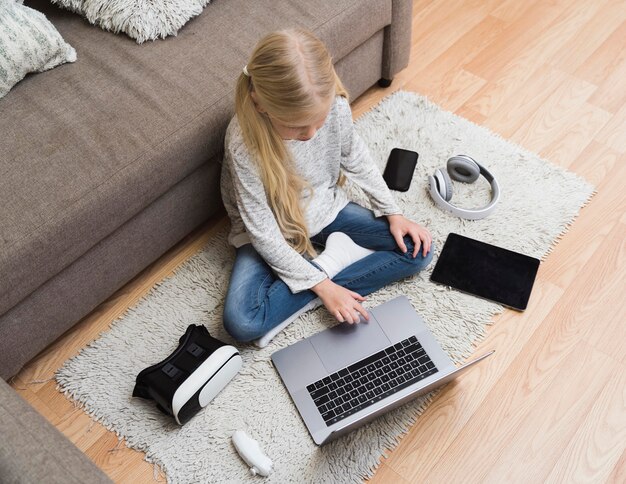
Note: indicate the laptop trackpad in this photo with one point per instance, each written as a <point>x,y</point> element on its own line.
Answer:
<point>345,343</point>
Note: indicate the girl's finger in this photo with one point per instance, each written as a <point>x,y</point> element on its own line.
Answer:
<point>428,243</point>
<point>344,316</point>
<point>348,316</point>
<point>424,242</point>
<point>416,243</point>
<point>415,236</point>
<point>357,296</point>
<point>339,316</point>
<point>400,241</point>
<point>363,312</point>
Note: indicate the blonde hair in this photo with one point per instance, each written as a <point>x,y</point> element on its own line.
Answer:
<point>291,74</point>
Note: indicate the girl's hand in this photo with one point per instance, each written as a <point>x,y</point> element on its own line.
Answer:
<point>399,226</point>
<point>342,303</point>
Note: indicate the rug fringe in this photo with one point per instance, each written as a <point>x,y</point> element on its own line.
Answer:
<point>568,225</point>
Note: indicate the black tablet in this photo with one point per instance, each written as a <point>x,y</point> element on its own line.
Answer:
<point>487,271</point>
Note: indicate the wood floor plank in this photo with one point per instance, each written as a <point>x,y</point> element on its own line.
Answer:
<point>421,6</point>
<point>611,53</point>
<point>105,453</point>
<point>598,443</point>
<point>121,464</point>
<point>618,476</point>
<point>81,429</point>
<point>608,333</point>
<point>466,48</point>
<point>514,409</point>
<point>56,400</point>
<point>587,123</point>
<point>598,164</point>
<point>461,52</point>
<point>517,44</point>
<point>535,445</point>
<point>385,473</point>
<point>514,110</point>
<point>610,95</point>
<point>512,10</point>
<point>614,133</point>
<point>444,27</point>
<point>529,43</point>
<point>42,406</point>
<point>582,49</point>
<point>553,118</point>
<point>566,28</point>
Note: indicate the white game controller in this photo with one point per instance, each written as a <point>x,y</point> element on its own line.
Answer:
<point>251,453</point>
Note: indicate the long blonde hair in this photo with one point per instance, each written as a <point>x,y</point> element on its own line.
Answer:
<point>291,74</point>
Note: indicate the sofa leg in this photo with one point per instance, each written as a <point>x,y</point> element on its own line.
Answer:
<point>382,82</point>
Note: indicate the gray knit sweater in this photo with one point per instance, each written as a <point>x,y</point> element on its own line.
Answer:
<point>335,146</point>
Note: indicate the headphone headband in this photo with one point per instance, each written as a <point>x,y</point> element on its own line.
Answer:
<point>469,214</point>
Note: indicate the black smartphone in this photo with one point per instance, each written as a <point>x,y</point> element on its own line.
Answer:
<point>399,169</point>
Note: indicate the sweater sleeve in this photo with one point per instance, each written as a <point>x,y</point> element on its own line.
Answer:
<point>263,229</point>
<point>359,167</point>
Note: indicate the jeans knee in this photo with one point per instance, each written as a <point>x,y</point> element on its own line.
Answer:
<point>426,260</point>
<point>239,326</point>
<point>420,261</point>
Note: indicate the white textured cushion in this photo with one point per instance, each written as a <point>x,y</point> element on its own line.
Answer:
<point>28,43</point>
<point>140,19</point>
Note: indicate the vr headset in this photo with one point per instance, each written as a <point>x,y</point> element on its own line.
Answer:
<point>188,379</point>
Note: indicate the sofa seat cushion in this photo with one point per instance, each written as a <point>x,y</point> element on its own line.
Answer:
<point>87,146</point>
<point>32,450</point>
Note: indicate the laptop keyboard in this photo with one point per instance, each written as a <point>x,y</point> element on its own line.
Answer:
<point>366,382</point>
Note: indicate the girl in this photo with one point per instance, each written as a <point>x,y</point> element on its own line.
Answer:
<point>286,152</point>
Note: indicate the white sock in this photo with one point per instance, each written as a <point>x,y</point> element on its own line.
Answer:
<point>340,252</point>
<point>264,340</point>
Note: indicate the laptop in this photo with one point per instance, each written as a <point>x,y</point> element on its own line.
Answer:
<point>347,375</point>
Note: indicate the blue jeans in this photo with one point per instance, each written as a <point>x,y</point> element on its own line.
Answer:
<point>257,300</point>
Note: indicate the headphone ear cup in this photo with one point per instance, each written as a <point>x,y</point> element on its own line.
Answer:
<point>463,168</point>
<point>444,184</point>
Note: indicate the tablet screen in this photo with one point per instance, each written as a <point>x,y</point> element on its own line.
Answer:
<point>486,271</point>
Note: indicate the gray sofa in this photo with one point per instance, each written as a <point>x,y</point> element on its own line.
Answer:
<point>108,162</point>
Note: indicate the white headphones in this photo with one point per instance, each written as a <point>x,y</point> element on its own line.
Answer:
<point>464,169</point>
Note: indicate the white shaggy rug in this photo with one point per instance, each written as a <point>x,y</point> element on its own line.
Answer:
<point>538,202</point>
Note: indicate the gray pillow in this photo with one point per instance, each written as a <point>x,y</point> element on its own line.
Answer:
<point>28,43</point>
<point>140,19</point>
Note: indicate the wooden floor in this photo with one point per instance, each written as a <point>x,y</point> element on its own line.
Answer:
<point>551,405</point>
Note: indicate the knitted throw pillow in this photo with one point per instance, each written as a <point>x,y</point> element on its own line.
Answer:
<point>28,43</point>
<point>139,19</point>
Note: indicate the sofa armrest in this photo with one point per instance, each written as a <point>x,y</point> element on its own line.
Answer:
<point>397,41</point>
<point>32,450</point>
